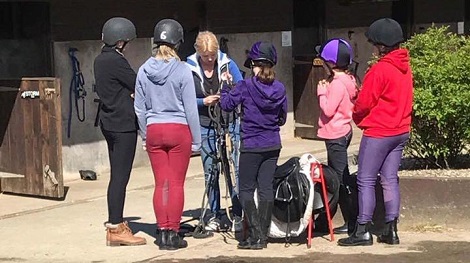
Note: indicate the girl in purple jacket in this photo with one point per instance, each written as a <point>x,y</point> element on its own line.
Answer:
<point>264,109</point>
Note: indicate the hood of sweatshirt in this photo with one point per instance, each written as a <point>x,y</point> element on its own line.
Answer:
<point>192,62</point>
<point>267,96</point>
<point>399,58</point>
<point>158,70</point>
<point>350,82</point>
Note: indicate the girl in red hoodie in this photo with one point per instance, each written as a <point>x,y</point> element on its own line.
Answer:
<point>336,98</point>
<point>383,112</point>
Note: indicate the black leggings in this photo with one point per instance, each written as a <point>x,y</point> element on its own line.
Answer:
<point>121,150</point>
<point>337,150</point>
<point>257,172</point>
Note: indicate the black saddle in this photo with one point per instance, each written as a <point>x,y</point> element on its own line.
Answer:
<point>291,191</point>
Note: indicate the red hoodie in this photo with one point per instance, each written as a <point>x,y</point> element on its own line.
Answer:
<point>383,107</point>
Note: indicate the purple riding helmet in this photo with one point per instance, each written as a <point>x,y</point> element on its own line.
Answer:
<point>337,51</point>
<point>263,51</point>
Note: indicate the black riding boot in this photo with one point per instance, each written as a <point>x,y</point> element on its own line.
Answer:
<point>360,237</point>
<point>265,210</point>
<point>354,203</point>
<point>175,241</point>
<point>162,239</point>
<point>254,228</point>
<point>341,229</point>
<point>345,205</point>
<point>389,234</point>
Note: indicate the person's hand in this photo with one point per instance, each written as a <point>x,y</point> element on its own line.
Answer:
<point>323,83</point>
<point>225,76</point>
<point>322,86</point>
<point>144,146</point>
<point>195,147</point>
<point>211,100</point>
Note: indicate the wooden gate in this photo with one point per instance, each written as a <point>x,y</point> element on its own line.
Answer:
<point>307,72</point>
<point>30,137</point>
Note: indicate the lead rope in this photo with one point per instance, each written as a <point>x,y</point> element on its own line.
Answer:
<point>77,92</point>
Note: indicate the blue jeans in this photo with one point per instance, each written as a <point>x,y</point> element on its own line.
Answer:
<point>211,167</point>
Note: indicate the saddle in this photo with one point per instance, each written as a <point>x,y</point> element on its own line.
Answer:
<point>291,191</point>
<point>292,188</point>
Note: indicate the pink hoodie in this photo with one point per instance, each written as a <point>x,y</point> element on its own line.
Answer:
<point>336,101</point>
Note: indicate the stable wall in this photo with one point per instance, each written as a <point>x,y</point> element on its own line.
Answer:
<point>86,148</point>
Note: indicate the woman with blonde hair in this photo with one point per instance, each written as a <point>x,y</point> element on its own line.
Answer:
<point>208,64</point>
<point>165,104</point>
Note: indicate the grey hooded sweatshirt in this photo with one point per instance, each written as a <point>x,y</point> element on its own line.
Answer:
<point>165,93</point>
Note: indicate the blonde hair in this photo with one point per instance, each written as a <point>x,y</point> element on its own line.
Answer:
<point>166,53</point>
<point>206,41</point>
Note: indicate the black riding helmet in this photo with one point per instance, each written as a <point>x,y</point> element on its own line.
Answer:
<point>168,31</point>
<point>385,31</point>
<point>261,51</point>
<point>118,29</point>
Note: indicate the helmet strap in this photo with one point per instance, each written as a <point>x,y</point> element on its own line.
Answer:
<point>330,71</point>
<point>120,49</point>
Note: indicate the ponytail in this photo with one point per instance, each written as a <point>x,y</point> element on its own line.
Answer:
<point>266,75</point>
<point>166,52</point>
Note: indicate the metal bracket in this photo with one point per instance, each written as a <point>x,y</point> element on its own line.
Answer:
<point>49,92</point>
<point>49,173</point>
<point>318,62</point>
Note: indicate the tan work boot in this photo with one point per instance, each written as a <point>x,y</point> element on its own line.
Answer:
<point>121,235</point>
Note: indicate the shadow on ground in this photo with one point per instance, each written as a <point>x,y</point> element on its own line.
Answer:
<point>426,251</point>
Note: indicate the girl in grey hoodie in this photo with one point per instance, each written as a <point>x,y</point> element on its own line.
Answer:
<point>166,109</point>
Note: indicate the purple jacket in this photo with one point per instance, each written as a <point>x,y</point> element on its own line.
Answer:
<point>264,110</point>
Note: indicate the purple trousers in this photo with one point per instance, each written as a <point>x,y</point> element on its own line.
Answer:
<point>379,156</point>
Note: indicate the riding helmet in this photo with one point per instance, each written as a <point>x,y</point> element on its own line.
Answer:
<point>168,31</point>
<point>337,51</point>
<point>118,29</point>
<point>263,51</point>
<point>385,31</point>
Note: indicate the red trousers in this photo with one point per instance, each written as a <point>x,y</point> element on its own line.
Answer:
<point>169,149</point>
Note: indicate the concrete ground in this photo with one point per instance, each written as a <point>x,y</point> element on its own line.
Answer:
<point>42,230</point>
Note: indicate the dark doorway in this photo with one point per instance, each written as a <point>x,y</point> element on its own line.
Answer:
<point>402,12</point>
<point>25,40</point>
<point>308,32</point>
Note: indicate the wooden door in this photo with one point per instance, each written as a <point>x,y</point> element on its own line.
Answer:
<point>30,137</point>
<point>307,72</point>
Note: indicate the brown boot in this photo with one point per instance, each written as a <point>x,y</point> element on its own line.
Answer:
<point>121,235</point>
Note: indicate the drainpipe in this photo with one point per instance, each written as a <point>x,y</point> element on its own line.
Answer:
<point>467,17</point>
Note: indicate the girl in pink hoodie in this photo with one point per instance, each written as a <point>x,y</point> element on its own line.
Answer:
<point>336,98</point>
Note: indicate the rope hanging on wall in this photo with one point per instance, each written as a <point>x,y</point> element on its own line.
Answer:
<point>77,91</point>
